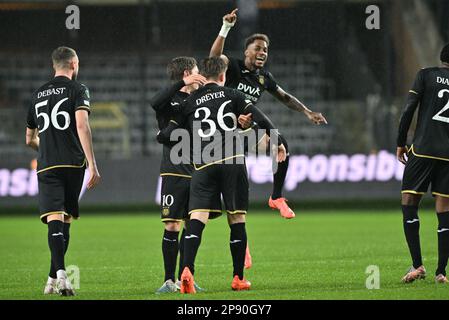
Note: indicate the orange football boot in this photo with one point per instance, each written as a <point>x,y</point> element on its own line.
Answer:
<point>187,282</point>
<point>281,205</point>
<point>239,285</point>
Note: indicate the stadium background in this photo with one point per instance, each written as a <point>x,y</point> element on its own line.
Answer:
<point>343,181</point>
<point>320,51</point>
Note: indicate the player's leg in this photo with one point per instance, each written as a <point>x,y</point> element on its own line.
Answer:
<point>198,221</point>
<point>202,201</point>
<point>440,190</point>
<point>415,183</point>
<point>174,199</point>
<point>442,208</point>
<point>277,201</point>
<point>52,210</point>
<point>236,203</point>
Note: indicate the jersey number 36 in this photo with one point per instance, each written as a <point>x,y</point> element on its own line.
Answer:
<point>220,120</point>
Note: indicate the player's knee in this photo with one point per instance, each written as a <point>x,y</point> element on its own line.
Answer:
<point>173,226</point>
<point>441,204</point>
<point>409,199</point>
<point>53,217</point>
<point>68,219</point>
<point>236,218</point>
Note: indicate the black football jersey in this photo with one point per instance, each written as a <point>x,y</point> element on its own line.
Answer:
<point>167,105</point>
<point>52,112</point>
<point>251,83</point>
<point>431,92</point>
<point>210,115</point>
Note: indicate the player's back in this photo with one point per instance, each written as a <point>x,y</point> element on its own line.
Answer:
<point>211,115</point>
<point>52,112</point>
<point>432,130</point>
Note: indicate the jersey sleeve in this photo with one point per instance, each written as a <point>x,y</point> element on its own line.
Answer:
<point>418,84</point>
<point>241,103</point>
<point>82,100</point>
<point>270,83</point>
<point>31,122</point>
<point>413,99</point>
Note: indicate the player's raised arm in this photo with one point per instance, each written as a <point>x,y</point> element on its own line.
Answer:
<point>293,103</point>
<point>413,99</point>
<point>229,21</point>
<point>85,135</point>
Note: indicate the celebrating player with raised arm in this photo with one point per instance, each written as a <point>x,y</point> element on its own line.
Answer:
<point>250,77</point>
<point>427,163</point>
<point>183,72</point>
<point>210,117</point>
<point>58,128</point>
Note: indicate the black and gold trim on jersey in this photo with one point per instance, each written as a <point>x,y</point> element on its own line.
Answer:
<point>175,175</point>
<point>200,167</point>
<point>426,156</point>
<point>64,166</point>
<point>83,108</point>
<point>413,192</point>
<point>171,220</point>
<point>204,210</point>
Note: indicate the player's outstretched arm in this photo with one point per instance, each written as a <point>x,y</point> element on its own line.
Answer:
<point>32,139</point>
<point>85,135</point>
<point>293,103</point>
<point>229,21</point>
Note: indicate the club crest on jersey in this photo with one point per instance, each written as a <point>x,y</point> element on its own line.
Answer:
<point>165,211</point>
<point>262,80</point>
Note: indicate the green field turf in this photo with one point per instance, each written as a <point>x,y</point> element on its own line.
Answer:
<point>318,255</point>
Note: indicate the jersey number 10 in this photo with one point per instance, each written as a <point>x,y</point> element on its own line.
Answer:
<point>54,115</point>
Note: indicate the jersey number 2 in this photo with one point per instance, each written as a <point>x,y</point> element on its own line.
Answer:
<point>54,116</point>
<point>438,116</point>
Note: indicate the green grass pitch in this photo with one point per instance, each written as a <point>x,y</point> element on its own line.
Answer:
<point>317,255</point>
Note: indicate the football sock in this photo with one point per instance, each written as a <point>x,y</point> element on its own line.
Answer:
<point>237,243</point>
<point>56,243</point>
<point>192,243</point>
<point>411,230</point>
<point>443,242</point>
<point>170,253</point>
<point>181,252</point>
<point>66,232</point>
<point>279,176</point>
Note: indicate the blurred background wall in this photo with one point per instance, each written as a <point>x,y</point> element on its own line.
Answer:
<point>321,51</point>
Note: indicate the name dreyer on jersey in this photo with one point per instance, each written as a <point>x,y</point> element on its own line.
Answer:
<point>210,96</point>
<point>49,92</point>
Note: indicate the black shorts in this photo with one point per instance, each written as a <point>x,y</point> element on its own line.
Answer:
<point>420,172</point>
<point>59,191</point>
<point>209,183</point>
<point>174,198</point>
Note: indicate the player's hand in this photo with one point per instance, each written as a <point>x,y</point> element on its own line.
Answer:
<point>94,178</point>
<point>401,153</point>
<point>316,117</point>
<point>245,120</point>
<point>231,18</point>
<point>194,79</point>
<point>281,153</point>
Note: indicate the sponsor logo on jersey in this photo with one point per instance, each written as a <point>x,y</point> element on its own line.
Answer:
<point>247,89</point>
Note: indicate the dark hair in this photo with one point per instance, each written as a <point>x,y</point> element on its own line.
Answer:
<point>212,67</point>
<point>444,56</point>
<point>256,36</point>
<point>62,57</point>
<point>176,67</point>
